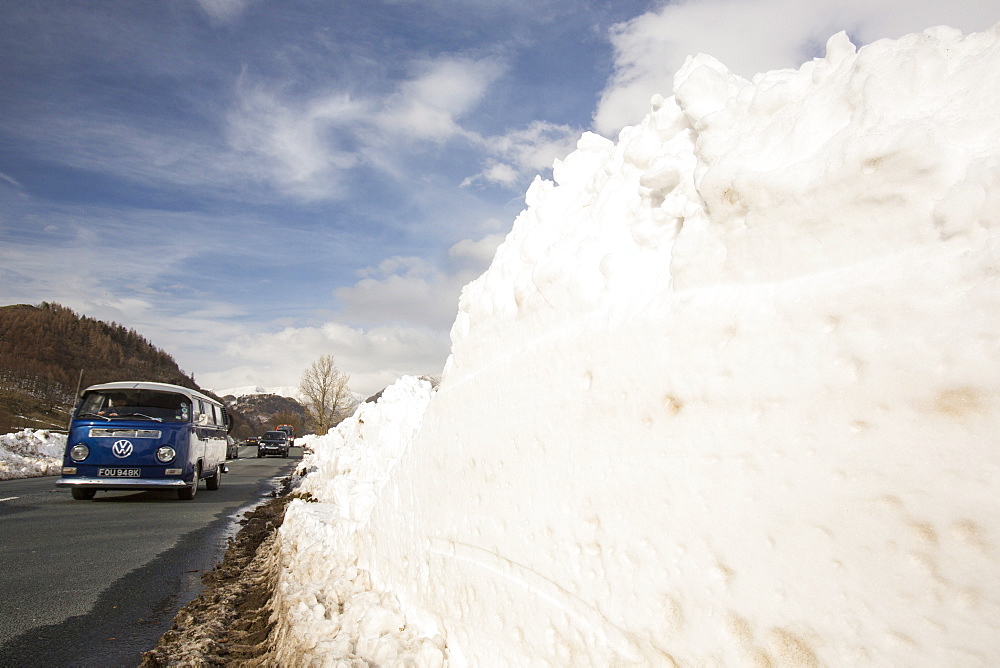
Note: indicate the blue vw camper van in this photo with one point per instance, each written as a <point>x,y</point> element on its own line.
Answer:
<point>141,436</point>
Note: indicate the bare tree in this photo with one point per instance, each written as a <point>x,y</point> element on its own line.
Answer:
<point>327,397</point>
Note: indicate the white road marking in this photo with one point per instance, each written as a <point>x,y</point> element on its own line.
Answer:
<point>10,498</point>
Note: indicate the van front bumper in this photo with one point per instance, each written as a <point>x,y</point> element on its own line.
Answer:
<point>122,483</point>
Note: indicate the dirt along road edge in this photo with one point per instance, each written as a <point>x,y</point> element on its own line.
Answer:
<point>228,622</point>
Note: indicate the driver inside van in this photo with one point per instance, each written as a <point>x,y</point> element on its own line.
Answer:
<point>115,403</point>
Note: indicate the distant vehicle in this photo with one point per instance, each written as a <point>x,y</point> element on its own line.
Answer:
<point>288,429</point>
<point>273,443</point>
<point>253,440</point>
<point>232,448</point>
<point>138,436</point>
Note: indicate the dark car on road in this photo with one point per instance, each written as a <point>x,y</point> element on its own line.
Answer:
<point>273,443</point>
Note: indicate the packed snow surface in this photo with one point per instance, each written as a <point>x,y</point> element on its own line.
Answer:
<point>31,453</point>
<point>727,395</point>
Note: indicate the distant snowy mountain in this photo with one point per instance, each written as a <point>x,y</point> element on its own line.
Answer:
<point>267,410</point>
<point>282,391</point>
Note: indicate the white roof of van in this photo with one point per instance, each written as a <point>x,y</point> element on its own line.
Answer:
<point>139,385</point>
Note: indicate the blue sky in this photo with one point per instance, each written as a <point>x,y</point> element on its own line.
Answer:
<point>251,184</point>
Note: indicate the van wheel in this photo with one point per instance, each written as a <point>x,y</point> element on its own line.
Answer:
<point>83,494</point>
<point>187,493</point>
<point>213,482</point>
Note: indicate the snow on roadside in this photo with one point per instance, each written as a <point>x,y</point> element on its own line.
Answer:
<point>727,395</point>
<point>31,453</point>
<point>325,605</point>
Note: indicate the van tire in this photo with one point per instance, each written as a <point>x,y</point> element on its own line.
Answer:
<point>81,494</point>
<point>213,482</point>
<point>188,493</point>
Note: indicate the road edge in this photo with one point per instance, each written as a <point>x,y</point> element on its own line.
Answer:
<point>228,623</point>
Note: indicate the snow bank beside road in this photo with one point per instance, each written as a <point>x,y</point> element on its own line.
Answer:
<point>31,453</point>
<point>325,603</point>
<point>727,395</point>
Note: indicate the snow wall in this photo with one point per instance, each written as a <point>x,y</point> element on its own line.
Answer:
<point>727,395</point>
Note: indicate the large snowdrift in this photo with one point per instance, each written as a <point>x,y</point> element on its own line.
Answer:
<point>728,395</point>
<point>30,453</point>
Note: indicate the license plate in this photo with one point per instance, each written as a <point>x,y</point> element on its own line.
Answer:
<point>119,473</point>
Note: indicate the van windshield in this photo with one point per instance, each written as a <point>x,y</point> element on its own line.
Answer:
<point>135,405</point>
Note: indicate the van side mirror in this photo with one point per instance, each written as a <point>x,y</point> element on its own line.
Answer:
<point>228,420</point>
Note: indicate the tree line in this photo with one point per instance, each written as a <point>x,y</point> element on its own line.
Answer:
<point>48,351</point>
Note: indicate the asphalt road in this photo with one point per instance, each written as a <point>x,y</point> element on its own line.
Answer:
<point>95,583</point>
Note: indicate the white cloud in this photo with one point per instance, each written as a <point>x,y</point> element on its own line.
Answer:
<point>11,181</point>
<point>495,172</point>
<point>444,90</point>
<point>406,290</point>
<point>518,155</point>
<point>373,358</point>
<point>154,154</point>
<point>751,36</point>
<point>408,306</point>
<point>85,257</point>
<point>478,253</point>
<point>304,147</point>
<point>223,10</point>
<point>271,137</point>
<point>97,262</point>
<point>293,144</point>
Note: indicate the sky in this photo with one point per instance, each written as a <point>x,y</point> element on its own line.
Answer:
<point>251,184</point>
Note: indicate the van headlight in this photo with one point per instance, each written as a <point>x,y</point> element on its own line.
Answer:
<point>165,454</point>
<point>79,452</point>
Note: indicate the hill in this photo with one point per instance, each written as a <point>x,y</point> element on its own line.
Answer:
<point>48,351</point>
<point>263,412</point>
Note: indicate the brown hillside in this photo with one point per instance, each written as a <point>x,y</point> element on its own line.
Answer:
<point>46,351</point>
<point>264,412</point>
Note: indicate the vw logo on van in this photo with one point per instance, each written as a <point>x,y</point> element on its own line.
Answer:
<point>122,448</point>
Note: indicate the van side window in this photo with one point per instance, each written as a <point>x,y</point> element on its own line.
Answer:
<point>216,417</point>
